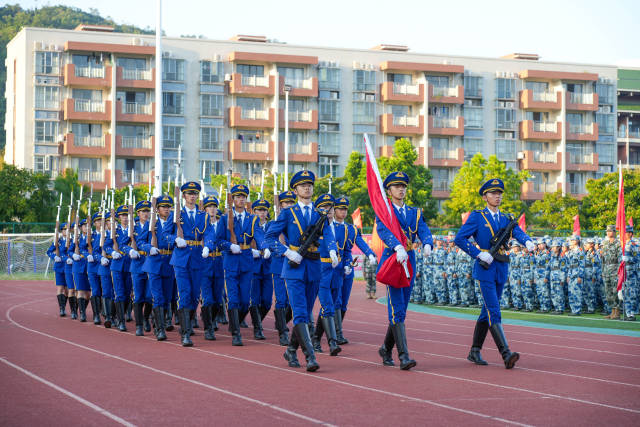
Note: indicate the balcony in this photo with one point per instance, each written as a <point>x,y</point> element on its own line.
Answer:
<point>446,126</point>
<point>135,146</point>
<point>300,119</point>
<point>304,88</point>
<point>302,153</point>
<point>446,157</point>
<point>135,112</point>
<point>250,151</point>
<point>90,77</point>
<point>74,145</point>
<point>252,85</point>
<point>540,100</point>
<point>85,109</point>
<point>530,130</point>
<point>136,78</point>
<point>577,190</point>
<point>446,95</point>
<point>536,191</point>
<point>402,125</point>
<point>541,161</point>
<point>99,179</point>
<point>582,162</point>
<point>441,189</point>
<point>396,92</point>
<point>582,132</point>
<point>582,101</point>
<point>123,178</point>
<point>240,118</point>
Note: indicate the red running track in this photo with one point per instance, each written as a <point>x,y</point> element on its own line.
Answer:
<point>63,372</point>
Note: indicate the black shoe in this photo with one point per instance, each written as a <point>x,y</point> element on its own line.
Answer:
<point>223,320</point>
<point>479,334</point>
<point>338,316</point>
<point>73,305</point>
<point>256,320</point>
<point>147,308</point>
<point>108,312</point>
<point>94,309</point>
<point>214,316</point>
<point>158,320</point>
<point>185,327</point>
<point>82,308</point>
<point>290,353</point>
<point>281,326</point>
<point>317,336</point>
<point>400,337</point>
<point>128,310</point>
<point>122,327</point>
<point>192,319</point>
<point>302,330</point>
<point>243,323</point>
<point>168,316</point>
<point>509,358</point>
<point>206,312</point>
<point>330,329</point>
<point>137,312</point>
<point>234,327</point>
<point>62,303</point>
<point>387,347</point>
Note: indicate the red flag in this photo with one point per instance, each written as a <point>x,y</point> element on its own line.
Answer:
<point>465,216</point>
<point>522,223</point>
<point>631,221</point>
<point>576,225</point>
<point>376,244</point>
<point>390,273</point>
<point>356,216</point>
<point>621,223</point>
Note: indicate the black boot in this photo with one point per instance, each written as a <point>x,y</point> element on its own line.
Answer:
<point>207,322</point>
<point>330,329</point>
<point>192,319</point>
<point>288,314</point>
<point>479,334</point>
<point>400,337</point>
<point>387,347</point>
<point>242,315</point>
<point>316,336</point>
<point>168,318</point>
<point>290,353</point>
<point>73,305</point>
<point>108,312</point>
<point>263,311</point>
<point>120,309</point>
<point>82,306</point>
<point>174,311</point>
<point>137,311</point>
<point>509,358</point>
<point>223,320</point>
<point>234,327</point>
<point>338,316</point>
<point>302,330</point>
<point>185,327</point>
<point>100,310</point>
<point>147,308</point>
<point>127,309</point>
<point>94,310</point>
<point>281,326</point>
<point>158,315</point>
<point>62,303</point>
<point>214,316</point>
<point>256,320</point>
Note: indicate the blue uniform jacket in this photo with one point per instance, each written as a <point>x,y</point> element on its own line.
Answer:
<point>245,233</point>
<point>276,259</point>
<point>212,237</point>
<point>142,236</point>
<point>193,231</point>
<point>263,266</point>
<point>51,253</point>
<point>160,264</point>
<point>92,267</point>
<point>481,226</point>
<point>79,266</point>
<point>122,237</point>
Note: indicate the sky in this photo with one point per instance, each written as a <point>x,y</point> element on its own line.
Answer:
<point>585,31</point>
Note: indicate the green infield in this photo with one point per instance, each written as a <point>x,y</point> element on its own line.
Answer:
<point>26,276</point>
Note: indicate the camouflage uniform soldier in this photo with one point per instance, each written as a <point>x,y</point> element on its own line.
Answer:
<point>601,298</point>
<point>416,293</point>
<point>428,290</point>
<point>505,300</point>
<point>557,277</point>
<point>369,271</point>
<point>541,276</point>
<point>527,266</point>
<point>630,289</point>
<point>575,262</point>
<point>588,290</point>
<point>463,262</point>
<point>514,276</point>
<point>440,275</point>
<point>452,277</point>
<point>611,257</point>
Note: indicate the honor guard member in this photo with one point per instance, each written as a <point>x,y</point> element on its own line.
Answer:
<point>611,258</point>
<point>261,295</point>
<point>157,265</point>
<point>142,299</point>
<point>68,275</point>
<point>630,289</point>
<point>354,238</point>
<point>212,274</point>
<point>187,258</point>
<point>575,279</point>
<point>104,271</point>
<point>483,225</point>
<point>58,268</point>
<point>286,199</point>
<point>120,265</point>
<point>79,268</point>
<point>238,260</point>
<point>93,265</point>
<point>301,274</point>
<point>414,228</point>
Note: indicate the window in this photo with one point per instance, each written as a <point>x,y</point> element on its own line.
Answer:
<point>327,166</point>
<point>87,94</point>
<point>250,70</point>
<point>295,105</point>
<point>212,105</point>
<point>81,130</point>
<point>85,164</point>
<point>132,97</point>
<point>172,103</point>
<point>364,80</point>
<point>47,63</point>
<point>606,123</point>
<point>329,94</point>
<point>172,136</point>
<point>537,86</point>
<point>605,93</point>
<point>329,78</point>
<point>505,149</point>
<point>402,79</point>
<point>439,111</point>
<point>506,88</point>
<point>473,86</point>
<point>211,72</point>
<point>440,179</point>
<point>391,139</point>
<point>46,131</point>
<point>358,142</point>
<point>250,103</point>
<point>329,111</point>
<point>438,81</point>
<point>132,131</point>
<point>293,76</point>
<point>606,153</point>
<point>173,69</point>
<point>471,147</point>
<point>472,117</point>
<point>210,138</point>
<point>84,61</point>
<point>211,167</point>
<point>294,137</point>
<point>47,97</point>
<point>38,164</point>
<point>329,143</point>
<point>505,118</point>
<point>132,63</point>
<point>364,112</point>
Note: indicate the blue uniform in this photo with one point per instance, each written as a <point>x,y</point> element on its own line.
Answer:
<point>79,268</point>
<point>275,268</point>
<point>262,284</point>
<point>104,271</point>
<point>139,278</point>
<point>58,267</point>
<point>158,267</point>
<point>212,285</point>
<point>354,237</point>
<point>120,275</point>
<point>329,292</point>
<point>93,267</point>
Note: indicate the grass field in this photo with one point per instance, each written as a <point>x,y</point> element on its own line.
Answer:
<point>26,276</point>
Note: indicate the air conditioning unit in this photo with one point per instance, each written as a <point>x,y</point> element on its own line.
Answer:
<point>510,104</point>
<point>520,155</point>
<point>167,54</point>
<point>322,127</point>
<point>227,77</point>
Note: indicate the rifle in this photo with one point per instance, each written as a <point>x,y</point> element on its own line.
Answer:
<point>310,236</point>
<point>105,205</point>
<point>56,242</point>
<point>68,232</point>
<point>114,237</point>
<point>501,241</point>
<point>152,224</point>
<point>76,249</point>
<point>228,207</point>
<point>276,197</point>
<point>132,240</point>
<point>177,215</point>
<point>89,224</point>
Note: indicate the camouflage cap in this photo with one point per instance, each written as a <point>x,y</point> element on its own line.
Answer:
<point>611,227</point>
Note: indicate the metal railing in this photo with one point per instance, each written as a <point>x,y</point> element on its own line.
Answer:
<point>140,176</point>
<point>580,98</point>
<point>575,188</point>
<point>136,142</point>
<point>581,129</point>
<point>545,156</point>
<point>299,83</point>
<point>136,74</point>
<point>89,175</point>
<point>255,114</point>
<point>545,96</point>
<point>300,148</point>
<point>580,158</point>
<point>440,185</point>
<point>406,121</point>
<point>88,106</point>
<point>261,81</point>
<point>545,127</point>
<point>445,153</point>
<point>91,72</point>
<point>544,187</point>
<point>443,122</point>
<point>445,91</point>
<point>210,145</point>
<point>405,89</point>
<point>254,147</point>
<point>88,141</point>
<point>299,116</point>
<point>136,108</point>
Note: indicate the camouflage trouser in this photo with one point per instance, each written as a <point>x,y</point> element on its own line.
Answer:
<point>527,291</point>
<point>557,291</point>
<point>516,292</point>
<point>601,294</point>
<point>542,292</point>
<point>506,296</point>
<point>575,295</point>
<point>466,289</point>
<point>588,293</point>
<point>476,284</point>
<point>452,288</point>
<point>610,277</point>
<point>630,295</point>
<point>428,288</point>
<point>371,284</point>
<point>441,287</point>
<point>416,292</point>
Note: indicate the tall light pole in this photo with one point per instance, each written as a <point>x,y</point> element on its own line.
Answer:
<point>158,118</point>
<point>287,89</point>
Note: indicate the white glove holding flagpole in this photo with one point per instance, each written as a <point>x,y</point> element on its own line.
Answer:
<point>334,258</point>
<point>401,254</point>
<point>205,252</point>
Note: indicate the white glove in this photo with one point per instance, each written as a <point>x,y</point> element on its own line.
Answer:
<point>255,253</point>
<point>205,252</point>
<point>347,270</point>
<point>57,259</point>
<point>76,257</point>
<point>69,261</point>
<point>401,254</point>
<point>153,251</point>
<point>426,250</point>
<point>180,242</point>
<point>334,258</point>
<point>372,259</point>
<point>620,295</point>
<point>235,249</point>
<point>133,254</point>
<point>104,261</point>
<point>530,246</point>
<point>90,258</point>
<point>266,254</point>
<point>293,256</point>
<point>486,257</point>
<point>115,255</point>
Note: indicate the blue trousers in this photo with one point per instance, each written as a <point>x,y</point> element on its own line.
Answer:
<point>94,282</point>
<point>300,292</point>
<point>313,287</point>
<point>122,285</point>
<point>188,280</point>
<point>397,303</point>
<point>261,291</point>
<point>347,284</point>
<point>106,282</point>
<point>238,287</point>
<point>211,288</point>
<point>280,290</point>
<point>161,289</point>
<point>141,288</point>
<point>60,279</point>
<point>329,290</point>
<point>68,277</point>
<point>491,294</point>
<point>81,281</point>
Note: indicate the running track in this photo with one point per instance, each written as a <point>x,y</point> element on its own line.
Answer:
<point>56,371</point>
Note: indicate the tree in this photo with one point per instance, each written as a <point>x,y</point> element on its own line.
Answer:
<point>15,186</point>
<point>555,211</point>
<point>600,205</point>
<point>469,179</point>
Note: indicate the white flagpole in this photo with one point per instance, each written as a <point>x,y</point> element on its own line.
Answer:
<point>158,95</point>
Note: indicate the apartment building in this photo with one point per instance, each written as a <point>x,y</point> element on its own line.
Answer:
<point>85,99</point>
<point>629,117</point>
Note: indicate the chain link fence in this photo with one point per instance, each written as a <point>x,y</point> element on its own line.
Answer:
<point>25,254</point>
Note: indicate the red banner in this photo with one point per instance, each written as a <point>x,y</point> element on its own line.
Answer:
<point>621,223</point>
<point>522,223</point>
<point>576,225</point>
<point>356,216</point>
<point>465,217</point>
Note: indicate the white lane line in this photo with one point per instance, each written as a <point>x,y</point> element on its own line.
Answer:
<point>66,392</point>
